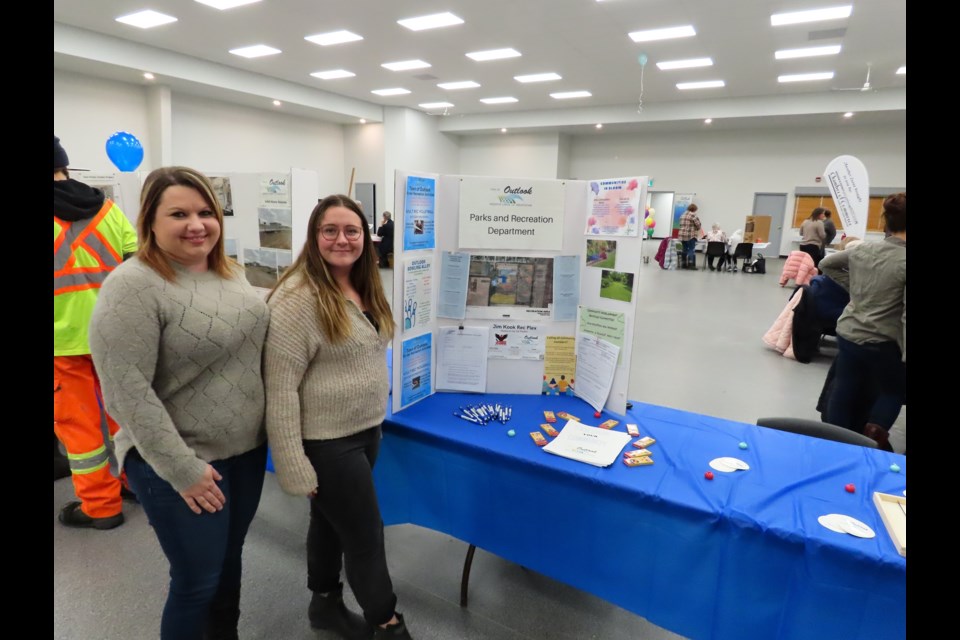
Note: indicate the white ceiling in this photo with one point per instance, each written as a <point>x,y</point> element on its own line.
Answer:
<point>584,41</point>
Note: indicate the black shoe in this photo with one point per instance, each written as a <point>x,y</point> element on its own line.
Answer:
<point>127,494</point>
<point>329,612</point>
<point>396,631</point>
<point>72,516</point>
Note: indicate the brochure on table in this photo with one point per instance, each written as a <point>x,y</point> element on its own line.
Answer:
<point>519,246</point>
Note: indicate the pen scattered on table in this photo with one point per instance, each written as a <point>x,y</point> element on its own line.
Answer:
<point>483,413</point>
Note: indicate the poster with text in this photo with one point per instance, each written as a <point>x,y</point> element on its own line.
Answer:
<point>850,188</point>
<point>516,341</point>
<point>559,365</point>
<point>420,199</point>
<point>609,325</point>
<point>612,207</point>
<point>275,191</point>
<point>417,293</point>
<point>510,213</point>
<point>415,368</point>
<point>680,203</point>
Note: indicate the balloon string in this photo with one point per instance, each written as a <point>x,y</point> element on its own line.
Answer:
<point>640,101</point>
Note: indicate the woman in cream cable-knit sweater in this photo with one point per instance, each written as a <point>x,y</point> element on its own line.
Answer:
<point>177,337</point>
<point>326,379</point>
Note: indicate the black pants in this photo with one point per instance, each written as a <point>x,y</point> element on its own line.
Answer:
<point>346,529</point>
<point>814,251</point>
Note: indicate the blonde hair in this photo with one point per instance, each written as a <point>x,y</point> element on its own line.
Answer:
<point>154,187</point>
<point>364,276</point>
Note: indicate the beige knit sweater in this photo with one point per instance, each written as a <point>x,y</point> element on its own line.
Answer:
<point>317,390</point>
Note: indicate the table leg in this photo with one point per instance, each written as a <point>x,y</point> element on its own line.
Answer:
<point>465,580</point>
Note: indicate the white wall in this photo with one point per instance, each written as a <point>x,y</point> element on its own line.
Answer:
<point>510,155</point>
<point>363,151</point>
<point>412,143</point>
<point>87,111</point>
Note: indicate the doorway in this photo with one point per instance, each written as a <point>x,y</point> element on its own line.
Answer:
<point>773,205</point>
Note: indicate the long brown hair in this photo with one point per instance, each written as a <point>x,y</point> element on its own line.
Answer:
<point>154,187</point>
<point>364,276</point>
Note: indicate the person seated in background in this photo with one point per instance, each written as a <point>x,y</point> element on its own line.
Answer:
<point>716,234</point>
<point>385,246</point>
<point>732,243</point>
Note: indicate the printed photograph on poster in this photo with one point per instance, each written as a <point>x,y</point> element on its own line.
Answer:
<point>501,213</point>
<point>260,267</point>
<point>276,228</point>
<point>609,325</point>
<point>559,366</point>
<point>616,285</point>
<point>612,207</point>
<point>509,287</point>
<point>417,293</point>
<point>230,248</point>
<point>415,369</point>
<point>221,187</point>
<point>275,191</point>
<point>284,260</point>
<point>418,213</point>
<point>516,341</point>
<point>601,253</point>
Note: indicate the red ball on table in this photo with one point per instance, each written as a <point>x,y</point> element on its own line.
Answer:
<point>708,475</point>
<point>596,414</point>
<point>850,488</point>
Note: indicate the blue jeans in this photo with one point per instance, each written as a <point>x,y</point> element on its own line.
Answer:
<point>690,249</point>
<point>345,524</point>
<point>204,550</point>
<point>873,371</point>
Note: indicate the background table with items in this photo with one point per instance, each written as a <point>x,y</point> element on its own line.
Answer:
<point>742,555</point>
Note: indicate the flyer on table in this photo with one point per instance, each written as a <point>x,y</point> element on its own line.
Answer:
<point>418,213</point>
<point>415,369</point>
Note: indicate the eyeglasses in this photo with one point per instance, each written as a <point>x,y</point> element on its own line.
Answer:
<point>333,232</point>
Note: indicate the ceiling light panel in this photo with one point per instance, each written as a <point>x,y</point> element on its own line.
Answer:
<point>432,21</point>
<point>493,54</point>
<point>255,51</point>
<point>538,77</point>
<point>405,65</point>
<point>435,105</point>
<point>500,100</point>
<point>690,63</point>
<point>663,34</point>
<point>333,37</point>
<point>707,84</point>
<point>807,52</point>
<point>396,91</point>
<point>806,77</point>
<point>146,19</point>
<point>226,4</point>
<point>813,15</point>
<point>902,71</point>
<point>566,95</point>
<point>333,74</point>
<point>463,84</point>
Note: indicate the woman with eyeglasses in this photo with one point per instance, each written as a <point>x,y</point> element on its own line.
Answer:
<point>326,382</point>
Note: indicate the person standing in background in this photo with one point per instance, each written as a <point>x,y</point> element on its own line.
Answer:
<point>690,230</point>
<point>326,376</point>
<point>177,336</point>
<point>91,237</point>
<point>872,330</point>
<point>812,235</point>
<point>385,246</point>
<point>830,229</point>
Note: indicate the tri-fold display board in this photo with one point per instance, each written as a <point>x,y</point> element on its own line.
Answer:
<point>515,285</point>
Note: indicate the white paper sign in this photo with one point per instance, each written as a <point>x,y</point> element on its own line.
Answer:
<point>417,293</point>
<point>516,341</point>
<point>847,178</point>
<point>510,213</point>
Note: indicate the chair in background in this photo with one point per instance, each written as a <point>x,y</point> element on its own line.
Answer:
<point>744,251</point>
<point>714,250</point>
<point>815,429</point>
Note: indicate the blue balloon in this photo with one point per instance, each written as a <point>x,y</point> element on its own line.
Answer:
<point>124,151</point>
<point>642,59</point>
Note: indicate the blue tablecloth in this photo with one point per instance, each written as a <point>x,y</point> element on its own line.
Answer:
<point>739,556</point>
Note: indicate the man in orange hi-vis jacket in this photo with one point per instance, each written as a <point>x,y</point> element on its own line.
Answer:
<point>91,236</point>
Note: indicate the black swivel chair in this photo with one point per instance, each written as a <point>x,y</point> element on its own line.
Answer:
<point>815,429</point>
<point>713,250</point>
<point>743,250</point>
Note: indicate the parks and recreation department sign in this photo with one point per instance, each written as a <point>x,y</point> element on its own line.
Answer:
<point>509,213</point>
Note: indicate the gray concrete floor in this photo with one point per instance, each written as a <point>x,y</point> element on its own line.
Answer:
<point>697,347</point>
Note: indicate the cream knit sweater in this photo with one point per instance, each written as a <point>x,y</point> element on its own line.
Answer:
<point>180,367</point>
<point>317,390</point>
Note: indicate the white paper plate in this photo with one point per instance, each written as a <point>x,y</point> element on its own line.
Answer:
<point>721,464</point>
<point>856,528</point>
<point>736,463</point>
<point>832,521</point>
